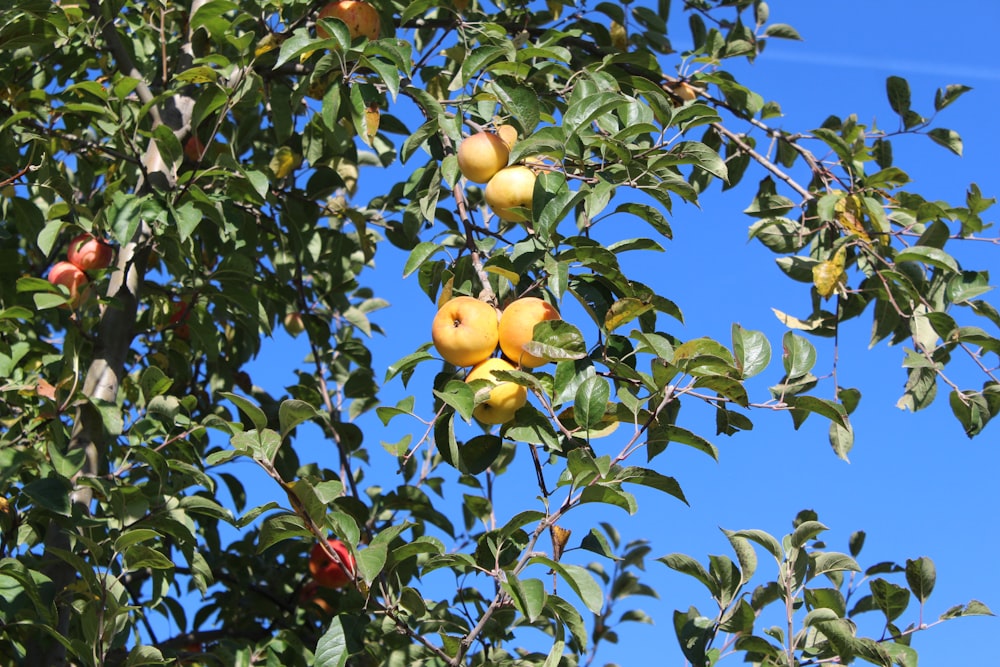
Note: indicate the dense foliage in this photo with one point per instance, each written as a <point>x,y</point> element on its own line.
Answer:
<point>218,146</point>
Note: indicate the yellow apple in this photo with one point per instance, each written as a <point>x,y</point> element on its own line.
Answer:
<point>517,322</point>
<point>360,17</point>
<point>482,155</point>
<point>510,189</point>
<point>507,134</point>
<point>684,91</point>
<point>504,398</point>
<point>294,324</point>
<point>464,331</point>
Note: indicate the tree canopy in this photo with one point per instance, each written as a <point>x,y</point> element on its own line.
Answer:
<point>182,179</point>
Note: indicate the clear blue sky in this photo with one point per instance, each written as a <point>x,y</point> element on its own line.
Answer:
<point>916,485</point>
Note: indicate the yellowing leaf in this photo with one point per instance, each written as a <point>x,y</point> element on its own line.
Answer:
<point>348,172</point>
<point>270,42</point>
<point>512,276</point>
<point>619,36</point>
<point>284,162</point>
<point>200,74</point>
<point>850,216</point>
<point>560,536</point>
<point>829,275</point>
<point>372,118</point>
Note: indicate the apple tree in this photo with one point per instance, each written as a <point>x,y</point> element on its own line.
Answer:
<point>247,163</point>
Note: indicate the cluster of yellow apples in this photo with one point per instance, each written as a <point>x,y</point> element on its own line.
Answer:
<point>483,158</point>
<point>86,253</point>
<point>467,332</point>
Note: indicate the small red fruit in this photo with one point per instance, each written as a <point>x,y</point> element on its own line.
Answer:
<point>312,598</point>
<point>328,572</point>
<point>179,311</point>
<point>72,278</point>
<point>89,253</point>
<point>194,149</point>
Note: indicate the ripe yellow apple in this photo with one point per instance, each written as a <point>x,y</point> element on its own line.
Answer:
<point>360,17</point>
<point>482,155</point>
<point>504,398</point>
<point>517,322</point>
<point>509,189</point>
<point>294,324</point>
<point>72,277</point>
<point>507,134</point>
<point>464,331</point>
<point>684,91</point>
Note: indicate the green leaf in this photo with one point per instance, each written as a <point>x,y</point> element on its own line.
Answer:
<point>479,453</point>
<point>686,565</point>
<point>138,557</point>
<point>782,31</point>
<point>420,254</point>
<point>154,382</point>
<point>652,479</point>
<point>798,355</point>
<point>650,214</point>
<point>820,406</point>
<point>701,156</point>
<point>661,436</point>
<point>51,493</point>
<point>596,542</point>
<point>461,396</point>
<point>557,340</point>
<point>898,91</point>
<point>247,407</point>
<point>591,400</point>
<point>933,256</point>
<point>945,96</point>
<point>921,576</point>
<point>569,615</point>
<point>806,531</point>
<point>751,350</point>
<point>331,649</point>
<point>528,595</point>
<point>891,599</point>
<point>841,439</point>
<point>950,139</point>
<point>583,111</point>
<point>974,608</point>
<point>135,536</point>
<point>578,578</point>
<point>279,527</point>
<point>831,561</point>
<point>293,412</point>
<point>745,554</point>
<point>263,445</point>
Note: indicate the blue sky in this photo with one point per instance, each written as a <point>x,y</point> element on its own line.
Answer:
<point>915,483</point>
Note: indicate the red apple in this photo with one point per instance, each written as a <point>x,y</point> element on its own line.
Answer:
<point>326,571</point>
<point>194,149</point>
<point>72,278</point>
<point>89,253</point>
<point>179,311</point>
